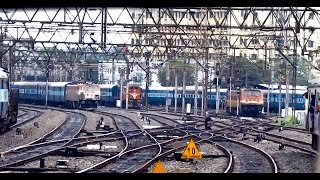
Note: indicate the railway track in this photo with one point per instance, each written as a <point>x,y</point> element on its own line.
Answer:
<point>26,117</point>
<point>248,159</point>
<point>142,149</point>
<point>256,161</point>
<point>133,154</point>
<point>69,129</point>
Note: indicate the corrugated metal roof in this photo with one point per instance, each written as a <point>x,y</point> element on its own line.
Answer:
<point>161,88</point>
<point>299,91</point>
<point>58,84</point>
<point>24,83</point>
<point>276,86</point>
<point>109,86</point>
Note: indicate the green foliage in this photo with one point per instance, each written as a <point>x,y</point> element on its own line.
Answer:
<point>178,66</point>
<point>252,72</point>
<point>257,72</point>
<point>303,69</point>
<point>289,121</point>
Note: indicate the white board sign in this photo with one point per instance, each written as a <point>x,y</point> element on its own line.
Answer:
<point>168,102</point>
<point>118,103</point>
<point>188,108</point>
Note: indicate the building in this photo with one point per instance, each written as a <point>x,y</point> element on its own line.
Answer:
<point>179,31</point>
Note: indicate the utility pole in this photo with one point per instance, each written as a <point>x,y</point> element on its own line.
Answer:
<point>47,79</point>
<point>206,81</point>
<point>294,102</point>
<point>167,84</point>
<point>147,56</point>
<point>280,95</point>
<point>10,63</point>
<point>113,72</point>
<point>287,76</point>
<point>231,77</point>
<point>205,98</point>
<point>127,85</point>
<point>267,67</point>
<point>202,92</point>
<point>104,38</point>
<point>121,86</point>
<point>175,89</point>
<point>184,87</point>
<point>238,99</point>
<point>217,88</point>
<point>196,90</point>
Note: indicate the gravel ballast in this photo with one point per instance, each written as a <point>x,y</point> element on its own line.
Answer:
<point>204,165</point>
<point>93,119</point>
<point>293,135</point>
<point>49,120</point>
<point>289,160</point>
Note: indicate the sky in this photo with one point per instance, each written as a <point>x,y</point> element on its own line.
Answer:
<point>120,15</point>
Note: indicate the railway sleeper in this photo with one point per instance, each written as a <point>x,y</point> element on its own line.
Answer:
<point>36,170</point>
<point>70,152</point>
<point>91,133</point>
<point>168,134</point>
<point>177,156</point>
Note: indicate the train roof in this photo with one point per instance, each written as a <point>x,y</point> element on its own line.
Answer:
<point>25,83</point>
<point>161,88</point>
<point>214,90</point>
<point>276,86</point>
<point>188,88</point>
<point>58,84</point>
<point>298,91</point>
<point>107,85</point>
<point>3,74</point>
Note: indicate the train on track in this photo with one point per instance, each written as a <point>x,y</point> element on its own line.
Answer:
<point>157,97</point>
<point>313,111</point>
<point>77,95</point>
<point>245,101</point>
<point>110,93</point>
<point>9,100</point>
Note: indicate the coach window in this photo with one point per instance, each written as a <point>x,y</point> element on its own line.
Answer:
<point>299,100</point>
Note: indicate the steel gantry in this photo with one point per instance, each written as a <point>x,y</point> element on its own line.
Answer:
<point>69,39</point>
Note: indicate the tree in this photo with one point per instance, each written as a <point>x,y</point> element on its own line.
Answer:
<point>176,65</point>
<point>137,77</point>
<point>245,72</point>
<point>303,70</point>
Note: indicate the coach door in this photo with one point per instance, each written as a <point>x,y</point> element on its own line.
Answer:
<point>317,112</point>
<point>313,101</point>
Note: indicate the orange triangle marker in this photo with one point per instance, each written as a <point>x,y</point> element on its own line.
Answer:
<point>159,168</point>
<point>191,151</point>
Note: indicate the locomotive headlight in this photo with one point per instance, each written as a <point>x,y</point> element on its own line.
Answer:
<point>82,102</point>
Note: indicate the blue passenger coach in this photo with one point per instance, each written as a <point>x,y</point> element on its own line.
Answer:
<point>109,94</point>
